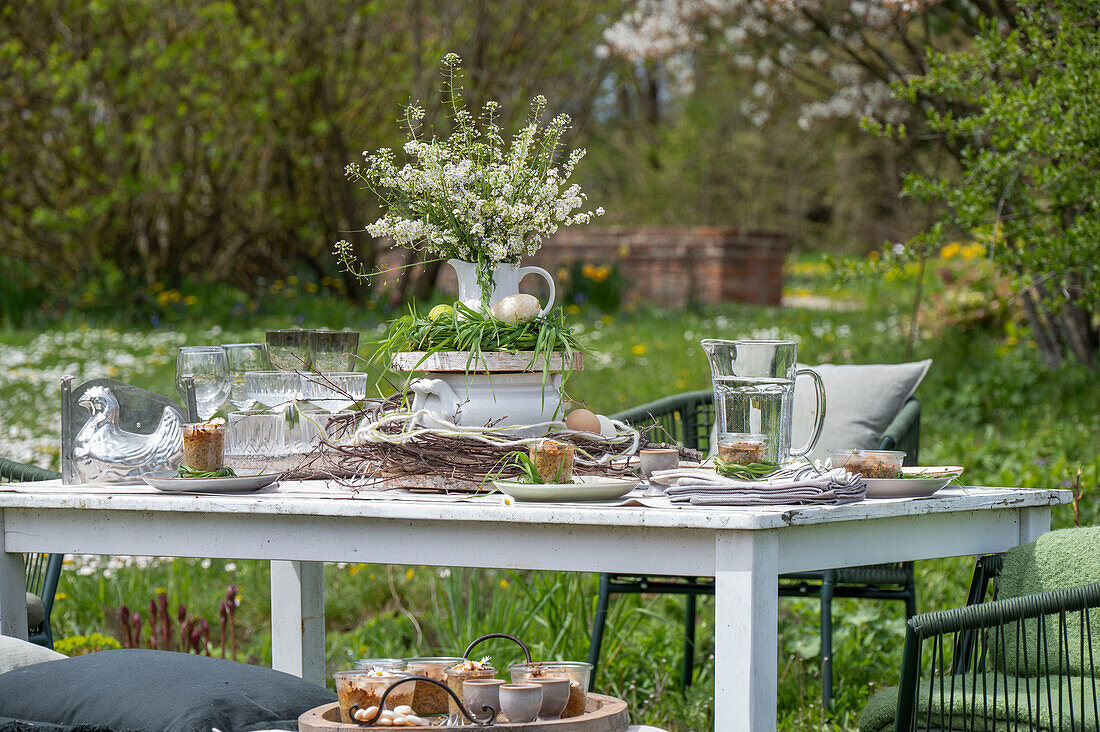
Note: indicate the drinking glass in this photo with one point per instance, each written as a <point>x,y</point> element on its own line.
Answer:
<point>289,349</point>
<point>244,357</point>
<point>334,391</point>
<point>271,388</point>
<point>333,350</point>
<point>210,368</point>
<point>754,394</point>
<point>256,434</point>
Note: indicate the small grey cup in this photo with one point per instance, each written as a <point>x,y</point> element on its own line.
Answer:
<point>555,695</point>
<point>521,702</point>
<point>651,460</point>
<point>482,693</point>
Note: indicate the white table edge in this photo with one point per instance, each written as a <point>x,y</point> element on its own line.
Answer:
<point>744,557</point>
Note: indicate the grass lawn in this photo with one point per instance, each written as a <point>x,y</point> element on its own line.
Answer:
<point>987,402</point>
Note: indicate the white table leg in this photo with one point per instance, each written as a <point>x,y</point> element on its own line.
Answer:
<point>1034,522</point>
<point>746,618</point>
<point>298,619</point>
<point>13,591</point>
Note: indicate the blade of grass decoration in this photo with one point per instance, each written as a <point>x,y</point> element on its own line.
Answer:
<point>469,331</point>
<point>751,471</point>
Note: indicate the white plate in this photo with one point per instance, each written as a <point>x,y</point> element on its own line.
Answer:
<point>589,488</point>
<point>245,481</point>
<point>929,481</point>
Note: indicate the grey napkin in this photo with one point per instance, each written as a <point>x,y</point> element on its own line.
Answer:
<point>800,484</point>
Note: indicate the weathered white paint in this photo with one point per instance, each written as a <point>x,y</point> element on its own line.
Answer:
<point>492,362</point>
<point>298,619</point>
<point>746,616</point>
<point>13,589</point>
<point>311,522</point>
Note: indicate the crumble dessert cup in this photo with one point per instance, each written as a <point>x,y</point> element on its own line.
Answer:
<point>429,699</point>
<point>466,670</point>
<point>365,687</point>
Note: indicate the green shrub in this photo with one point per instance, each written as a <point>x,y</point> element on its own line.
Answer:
<point>79,645</point>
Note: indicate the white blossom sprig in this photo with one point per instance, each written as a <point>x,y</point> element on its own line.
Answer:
<point>473,195</point>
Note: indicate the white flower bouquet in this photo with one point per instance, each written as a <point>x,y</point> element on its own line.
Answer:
<point>471,196</point>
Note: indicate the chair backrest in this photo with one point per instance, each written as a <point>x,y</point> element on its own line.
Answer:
<point>13,472</point>
<point>687,419</point>
<point>43,570</point>
<point>684,419</point>
<point>1057,560</point>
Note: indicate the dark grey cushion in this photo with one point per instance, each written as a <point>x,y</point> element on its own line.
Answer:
<point>157,690</point>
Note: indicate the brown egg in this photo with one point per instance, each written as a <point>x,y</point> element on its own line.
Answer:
<point>582,420</point>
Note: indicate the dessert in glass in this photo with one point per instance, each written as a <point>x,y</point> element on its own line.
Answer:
<point>869,463</point>
<point>553,460</point>
<point>578,673</point>
<point>427,698</point>
<point>364,688</point>
<point>388,664</point>
<point>204,445</point>
<point>742,448</point>
<point>466,670</point>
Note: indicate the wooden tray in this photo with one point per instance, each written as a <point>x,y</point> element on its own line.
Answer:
<point>602,714</point>
<point>493,362</point>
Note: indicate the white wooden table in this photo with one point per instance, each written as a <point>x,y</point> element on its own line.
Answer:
<point>744,549</point>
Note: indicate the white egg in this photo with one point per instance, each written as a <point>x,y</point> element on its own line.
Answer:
<point>515,308</point>
<point>582,420</point>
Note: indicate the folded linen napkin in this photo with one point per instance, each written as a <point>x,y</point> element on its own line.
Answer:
<point>800,484</point>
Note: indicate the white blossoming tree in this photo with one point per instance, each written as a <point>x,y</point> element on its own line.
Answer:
<point>472,196</point>
<point>836,58</point>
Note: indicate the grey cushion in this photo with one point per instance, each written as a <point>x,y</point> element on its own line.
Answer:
<point>15,653</point>
<point>861,402</point>
<point>159,691</point>
<point>36,611</point>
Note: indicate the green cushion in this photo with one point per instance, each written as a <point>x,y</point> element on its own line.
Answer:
<point>974,702</point>
<point>1058,560</point>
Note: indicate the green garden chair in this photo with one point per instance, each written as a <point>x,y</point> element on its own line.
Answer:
<point>687,420</point>
<point>1022,661</point>
<point>43,570</point>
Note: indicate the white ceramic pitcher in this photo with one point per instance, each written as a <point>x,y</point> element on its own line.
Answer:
<point>506,279</point>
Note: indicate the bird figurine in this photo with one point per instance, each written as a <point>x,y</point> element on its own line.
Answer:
<point>103,451</point>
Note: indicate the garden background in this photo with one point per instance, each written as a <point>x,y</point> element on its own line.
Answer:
<point>174,175</point>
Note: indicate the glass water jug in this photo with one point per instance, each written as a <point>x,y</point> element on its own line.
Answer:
<point>754,393</point>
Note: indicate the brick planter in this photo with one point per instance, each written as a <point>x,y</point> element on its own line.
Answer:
<point>665,265</point>
<point>675,266</point>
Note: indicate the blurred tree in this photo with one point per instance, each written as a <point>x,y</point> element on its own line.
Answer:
<point>835,59</point>
<point>148,141</point>
<point>780,66</point>
<point>161,142</point>
<point>1026,126</point>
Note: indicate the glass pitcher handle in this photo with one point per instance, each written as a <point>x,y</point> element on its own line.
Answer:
<point>820,421</point>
